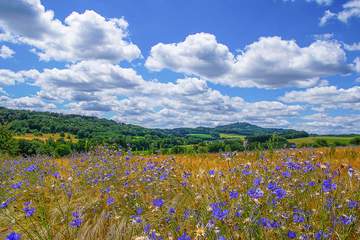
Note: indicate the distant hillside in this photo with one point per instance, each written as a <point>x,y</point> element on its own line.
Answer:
<point>24,121</point>
<point>240,128</point>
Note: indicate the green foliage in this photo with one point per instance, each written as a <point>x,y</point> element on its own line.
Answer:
<point>355,141</point>
<point>7,144</point>
<point>92,131</point>
<point>62,150</point>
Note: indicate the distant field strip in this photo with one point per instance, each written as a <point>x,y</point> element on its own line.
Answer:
<point>229,135</point>
<point>45,137</point>
<point>328,139</point>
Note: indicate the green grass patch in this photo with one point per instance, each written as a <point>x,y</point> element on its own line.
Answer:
<point>200,135</point>
<point>231,136</point>
<point>328,139</point>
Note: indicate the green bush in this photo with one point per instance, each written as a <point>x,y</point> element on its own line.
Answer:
<point>62,150</point>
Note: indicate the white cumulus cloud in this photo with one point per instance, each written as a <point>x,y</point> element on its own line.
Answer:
<point>81,36</point>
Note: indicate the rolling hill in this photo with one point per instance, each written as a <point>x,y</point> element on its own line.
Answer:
<point>24,121</point>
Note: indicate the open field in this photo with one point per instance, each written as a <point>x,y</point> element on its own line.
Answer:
<point>231,136</point>
<point>328,139</point>
<point>46,136</point>
<point>200,135</point>
<point>301,193</point>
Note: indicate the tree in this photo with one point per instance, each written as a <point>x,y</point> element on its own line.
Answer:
<point>355,141</point>
<point>62,150</point>
<point>8,144</point>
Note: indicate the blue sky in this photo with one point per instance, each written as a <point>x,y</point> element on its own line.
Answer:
<point>292,64</point>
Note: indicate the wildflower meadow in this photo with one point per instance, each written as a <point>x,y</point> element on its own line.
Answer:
<point>107,194</point>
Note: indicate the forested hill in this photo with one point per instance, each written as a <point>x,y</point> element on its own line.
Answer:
<point>24,121</point>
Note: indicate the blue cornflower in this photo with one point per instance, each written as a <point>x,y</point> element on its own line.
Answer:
<point>280,193</point>
<point>31,168</point>
<point>147,228</point>
<point>16,185</point>
<point>171,210</point>
<point>29,211</point>
<point>221,238</point>
<point>184,237</point>
<point>5,204</point>
<point>13,236</point>
<point>77,221</point>
<point>352,204</point>
<point>272,186</point>
<point>234,194</point>
<point>246,171</point>
<point>286,174</point>
<point>257,181</point>
<point>255,193</point>
<point>110,201</point>
<point>218,212</point>
<point>321,235</point>
<point>211,172</point>
<point>311,183</point>
<point>346,220</point>
<point>291,234</point>
<point>328,185</point>
<point>139,211</point>
<point>297,218</point>
<point>158,202</point>
<point>350,171</point>
<point>267,223</point>
<point>187,214</point>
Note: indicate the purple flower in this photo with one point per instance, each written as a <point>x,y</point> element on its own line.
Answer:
<point>234,194</point>
<point>350,171</point>
<point>280,193</point>
<point>267,223</point>
<point>31,168</point>
<point>255,193</point>
<point>218,212</point>
<point>16,185</point>
<point>346,220</point>
<point>147,228</point>
<point>328,185</point>
<point>13,236</point>
<point>352,204</point>
<point>158,202</point>
<point>184,236</point>
<point>77,221</point>
<point>272,186</point>
<point>171,210</point>
<point>5,204</point>
<point>291,234</point>
<point>29,211</point>
<point>311,183</point>
<point>139,211</point>
<point>246,171</point>
<point>211,172</point>
<point>286,174</point>
<point>110,201</point>
<point>297,218</point>
<point>257,181</point>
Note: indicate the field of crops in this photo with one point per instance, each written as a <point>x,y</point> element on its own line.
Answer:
<point>44,137</point>
<point>328,139</point>
<point>231,136</point>
<point>287,194</point>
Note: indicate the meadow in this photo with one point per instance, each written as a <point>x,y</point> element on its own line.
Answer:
<point>47,136</point>
<point>107,194</point>
<point>345,140</point>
